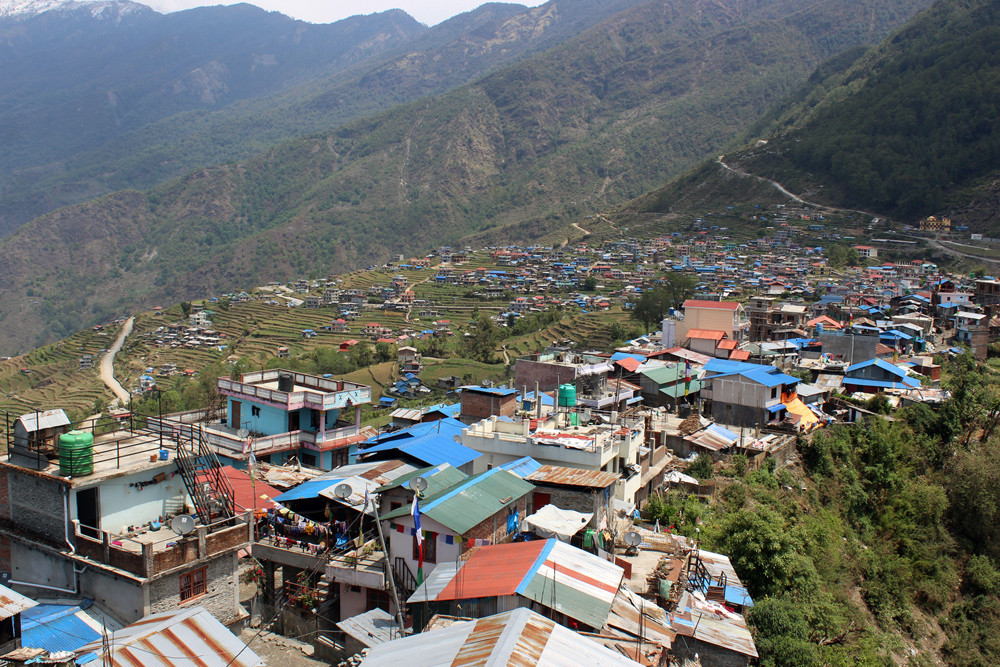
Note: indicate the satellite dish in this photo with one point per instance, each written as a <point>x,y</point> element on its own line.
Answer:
<point>418,484</point>
<point>632,538</point>
<point>243,434</point>
<point>457,438</point>
<point>343,491</point>
<point>182,524</point>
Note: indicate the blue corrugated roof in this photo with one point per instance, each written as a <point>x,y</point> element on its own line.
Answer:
<point>56,627</point>
<point>521,467</point>
<point>879,363</point>
<point>618,356</point>
<point>431,449</point>
<point>310,489</point>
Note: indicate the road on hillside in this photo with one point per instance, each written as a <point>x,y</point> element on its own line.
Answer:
<point>780,188</point>
<point>108,364</point>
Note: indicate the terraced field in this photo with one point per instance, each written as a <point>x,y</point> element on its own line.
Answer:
<point>54,379</point>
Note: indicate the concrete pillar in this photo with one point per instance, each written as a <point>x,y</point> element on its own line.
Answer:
<point>357,415</point>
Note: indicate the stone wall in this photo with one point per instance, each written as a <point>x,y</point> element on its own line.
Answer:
<point>221,596</point>
<point>36,503</point>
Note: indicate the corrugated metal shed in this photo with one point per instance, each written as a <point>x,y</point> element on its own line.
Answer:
<point>471,501</point>
<point>12,602</point>
<point>713,624</point>
<point>371,628</point>
<point>189,637</point>
<point>519,638</point>
<point>548,474</point>
<point>58,627</point>
<point>551,573</point>
<point>37,421</point>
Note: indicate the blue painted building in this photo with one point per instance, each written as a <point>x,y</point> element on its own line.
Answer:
<point>278,414</point>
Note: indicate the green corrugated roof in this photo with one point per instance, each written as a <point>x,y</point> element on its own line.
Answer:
<point>666,374</point>
<point>471,501</point>
<point>439,477</point>
<point>568,600</point>
<point>676,390</point>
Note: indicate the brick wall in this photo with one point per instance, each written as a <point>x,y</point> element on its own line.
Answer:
<point>481,406</point>
<point>221,596</point>
<point>494,528</point>
<point>4,496</point>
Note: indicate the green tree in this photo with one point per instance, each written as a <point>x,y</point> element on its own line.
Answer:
<point>654,304</point>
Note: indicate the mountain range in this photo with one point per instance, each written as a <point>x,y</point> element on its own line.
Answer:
<point>602,116</point>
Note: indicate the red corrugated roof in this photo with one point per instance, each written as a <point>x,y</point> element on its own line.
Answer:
<point>245,491</point>
<point>739,355</point>
<point>497,570</point>
<point>706,334</point>
<point>629,363</point>
<point>727,344</point>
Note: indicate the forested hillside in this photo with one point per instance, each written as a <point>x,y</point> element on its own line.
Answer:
<point>882,547</point>
<point>132,99</point>
<point>909,129</point>
<point>590,123</point>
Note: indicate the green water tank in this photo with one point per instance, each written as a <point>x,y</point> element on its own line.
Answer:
<point>76,453</point>
<point>567,396</point>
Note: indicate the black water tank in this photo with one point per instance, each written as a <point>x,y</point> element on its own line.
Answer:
<point>286,382</point>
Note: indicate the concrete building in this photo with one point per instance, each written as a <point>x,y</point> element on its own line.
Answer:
<point>616,447</point>
<point>726,316</point>
<point>278,414</point>
<point>742,394</point>
<point>92,521</point>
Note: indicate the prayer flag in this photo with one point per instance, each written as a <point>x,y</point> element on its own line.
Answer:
<point>415,511</point>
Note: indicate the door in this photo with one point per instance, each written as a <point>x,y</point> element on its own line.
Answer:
<point>293,421</point>
<point>87,512</point>
<point>541,500</point>
<point>236,417</point>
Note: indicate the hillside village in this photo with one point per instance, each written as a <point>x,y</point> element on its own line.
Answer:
<point>487,474</point>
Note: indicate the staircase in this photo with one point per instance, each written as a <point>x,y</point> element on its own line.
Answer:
<point>406,583</point>
<point>202,473</point>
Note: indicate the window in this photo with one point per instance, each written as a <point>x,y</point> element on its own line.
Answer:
<point>430,548</point>
<point>308,460</point>
<point>254,411</point>
<point>192,584</point>
<point>774,393</point>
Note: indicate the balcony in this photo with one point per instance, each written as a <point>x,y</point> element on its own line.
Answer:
<point>308,391</point>
<point>155,552</point>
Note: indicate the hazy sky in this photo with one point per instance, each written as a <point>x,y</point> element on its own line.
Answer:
<point>326,11</point>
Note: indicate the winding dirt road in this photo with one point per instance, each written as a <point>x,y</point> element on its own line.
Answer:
<point>108,364</point>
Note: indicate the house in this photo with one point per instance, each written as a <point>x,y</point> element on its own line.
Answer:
<point>519,637</point>
<point>89,519</point>
<point>12,605</point>
<point>483,402</point>
<point>409,359</point>
<point>727,316</point>
<point>40,431</point>
<point>615,447</point>
<point>573,587</point>
<point>669,385</point>
<point>875,376</point>
<point>972,329</point>
<point>484,509</point>
<point>191,637</point>
<point>278,414</point>
<point>742,394</point>
<point>866,251</point>
<point>586,491</point>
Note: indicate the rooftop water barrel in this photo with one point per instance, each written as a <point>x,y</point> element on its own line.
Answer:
<point>567,396</point>
<point>819,328</point>
<point>76,453</point>
<point>286,382</point>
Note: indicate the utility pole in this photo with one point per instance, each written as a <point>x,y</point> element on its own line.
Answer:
<point>388,567</point>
